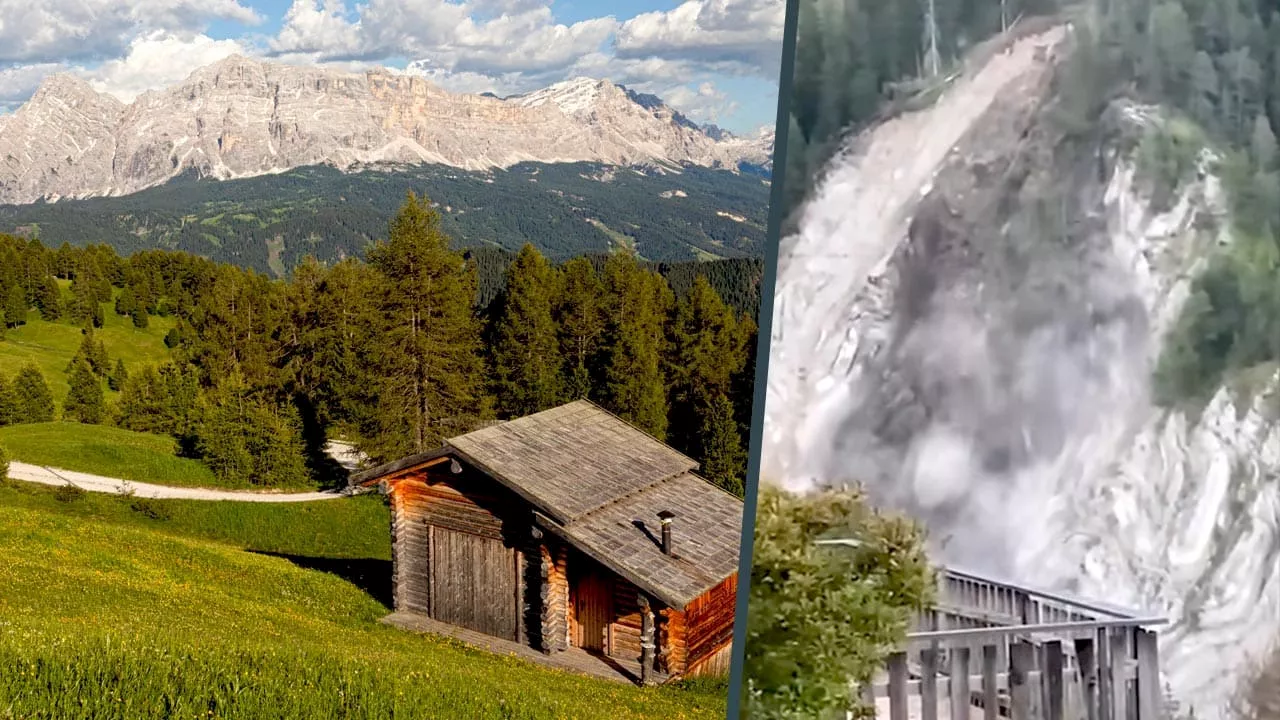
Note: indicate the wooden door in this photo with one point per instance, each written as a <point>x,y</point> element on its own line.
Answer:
<point>593,608</point>
<point>474,582</point>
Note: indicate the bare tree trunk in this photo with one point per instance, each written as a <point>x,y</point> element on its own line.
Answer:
<point>933,63</point>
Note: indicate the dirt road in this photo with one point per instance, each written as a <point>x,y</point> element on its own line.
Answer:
<point>344,453</point>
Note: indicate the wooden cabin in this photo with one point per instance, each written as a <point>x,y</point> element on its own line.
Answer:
<point>568,531</point>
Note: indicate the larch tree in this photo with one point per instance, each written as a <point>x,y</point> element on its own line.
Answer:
<point>9,409</point>
<point>15,306</point>
<point>35,401</point>
<point>47,298</point>
<point>581,319</point>
<point>118,377</point>
<point>724,460</point>
<point>84,401</point>
<point>430,373</point>
<point>638,303</point>
<point>707,351</point>
<point>526,354</point>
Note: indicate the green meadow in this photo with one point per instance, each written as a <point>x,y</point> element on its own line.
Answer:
<point>104,450</point>
<point>119,608</point>
<point>51,345</point>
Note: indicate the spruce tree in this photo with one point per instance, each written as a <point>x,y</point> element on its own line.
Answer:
<point>139,318</point>
<point>127,303</point>
<point>91,351</point>
<point>84,401</point>
<point>526,355</point>
<point>724,460</point>
<point>34,400</point>
<point>247,440</point>
<point>708,350</point>
<point>581,320</point>
<point>10,413</point>
<point>15,308</point>
<point>118,377</point>
<point>48,298</point>
<point>222,431</point>
<point>638,302</point>
<point>427,354</point>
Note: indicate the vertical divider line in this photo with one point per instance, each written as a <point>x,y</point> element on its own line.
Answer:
<point>764,331</point>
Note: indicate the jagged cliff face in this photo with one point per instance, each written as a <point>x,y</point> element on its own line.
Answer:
<point>968,320</point>
<point>240,117</point>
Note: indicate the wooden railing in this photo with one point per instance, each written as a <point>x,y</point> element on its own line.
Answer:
<point>993,649</point>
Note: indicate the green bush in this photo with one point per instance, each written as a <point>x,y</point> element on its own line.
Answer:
<point>68,493</point>
<point>824,616</point>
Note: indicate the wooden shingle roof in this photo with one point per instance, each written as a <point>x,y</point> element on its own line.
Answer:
<point>571,459</point>
<point>625,536</point>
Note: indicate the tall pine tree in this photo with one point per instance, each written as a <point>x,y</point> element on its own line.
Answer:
<point>526,355</point>
<point>34,400</point>
<point>638,302</point>
<point>707,351</point>
<point>581,319</point>
<point>430,374</point>
<point>724,459</point>
<point>10,412</point>
<point>84,401</point>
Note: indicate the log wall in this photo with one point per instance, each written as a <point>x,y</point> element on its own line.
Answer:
<point>709,619</point>
<point>673,641</point>
<point>554,594</point>
<point>624,631</point>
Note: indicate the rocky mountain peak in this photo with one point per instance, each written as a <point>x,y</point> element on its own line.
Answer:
<point>242,116</point>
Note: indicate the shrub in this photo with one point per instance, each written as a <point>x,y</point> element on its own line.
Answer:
<point>149,509</point>
<point>822,617</point>
<point>68,493</point>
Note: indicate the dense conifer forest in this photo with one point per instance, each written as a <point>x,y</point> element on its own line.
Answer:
<point>269,223</point>
<point>396,351</point>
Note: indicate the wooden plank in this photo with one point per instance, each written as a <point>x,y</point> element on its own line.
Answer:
<point>474,581</point>
<point>1053,668</point>
<point>1119,657</point>
<point>898,686</point>
<point>929,684</point>
<point>1103,650</point>
<point>1021,663</point>
<point>990,689</point>
<point>1087,661</point>
<point>1149,694</point>
<point>958,679</point>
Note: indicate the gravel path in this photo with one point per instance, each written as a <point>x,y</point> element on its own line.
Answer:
<point>342,452</point>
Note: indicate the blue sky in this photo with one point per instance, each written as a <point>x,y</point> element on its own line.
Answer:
<point>715,60</point>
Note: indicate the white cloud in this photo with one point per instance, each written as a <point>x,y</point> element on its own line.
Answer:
<point>745,33</point>
<point>65,31</point>
<point>158,60</point>
<point>312,28</point>
<point>18,83</point>
<point>450,36</point>
<point>501,46</point>
<point>705,103</point>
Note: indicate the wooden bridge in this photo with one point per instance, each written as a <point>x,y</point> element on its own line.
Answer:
<point>994,650</point>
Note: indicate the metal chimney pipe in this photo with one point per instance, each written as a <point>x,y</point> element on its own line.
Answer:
<point>666,516</point>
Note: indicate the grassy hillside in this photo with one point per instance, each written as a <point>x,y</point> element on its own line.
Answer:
<point>103,450</point>
<point>112,615</point>
<point>268,223</point>
<point>51,345</point>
